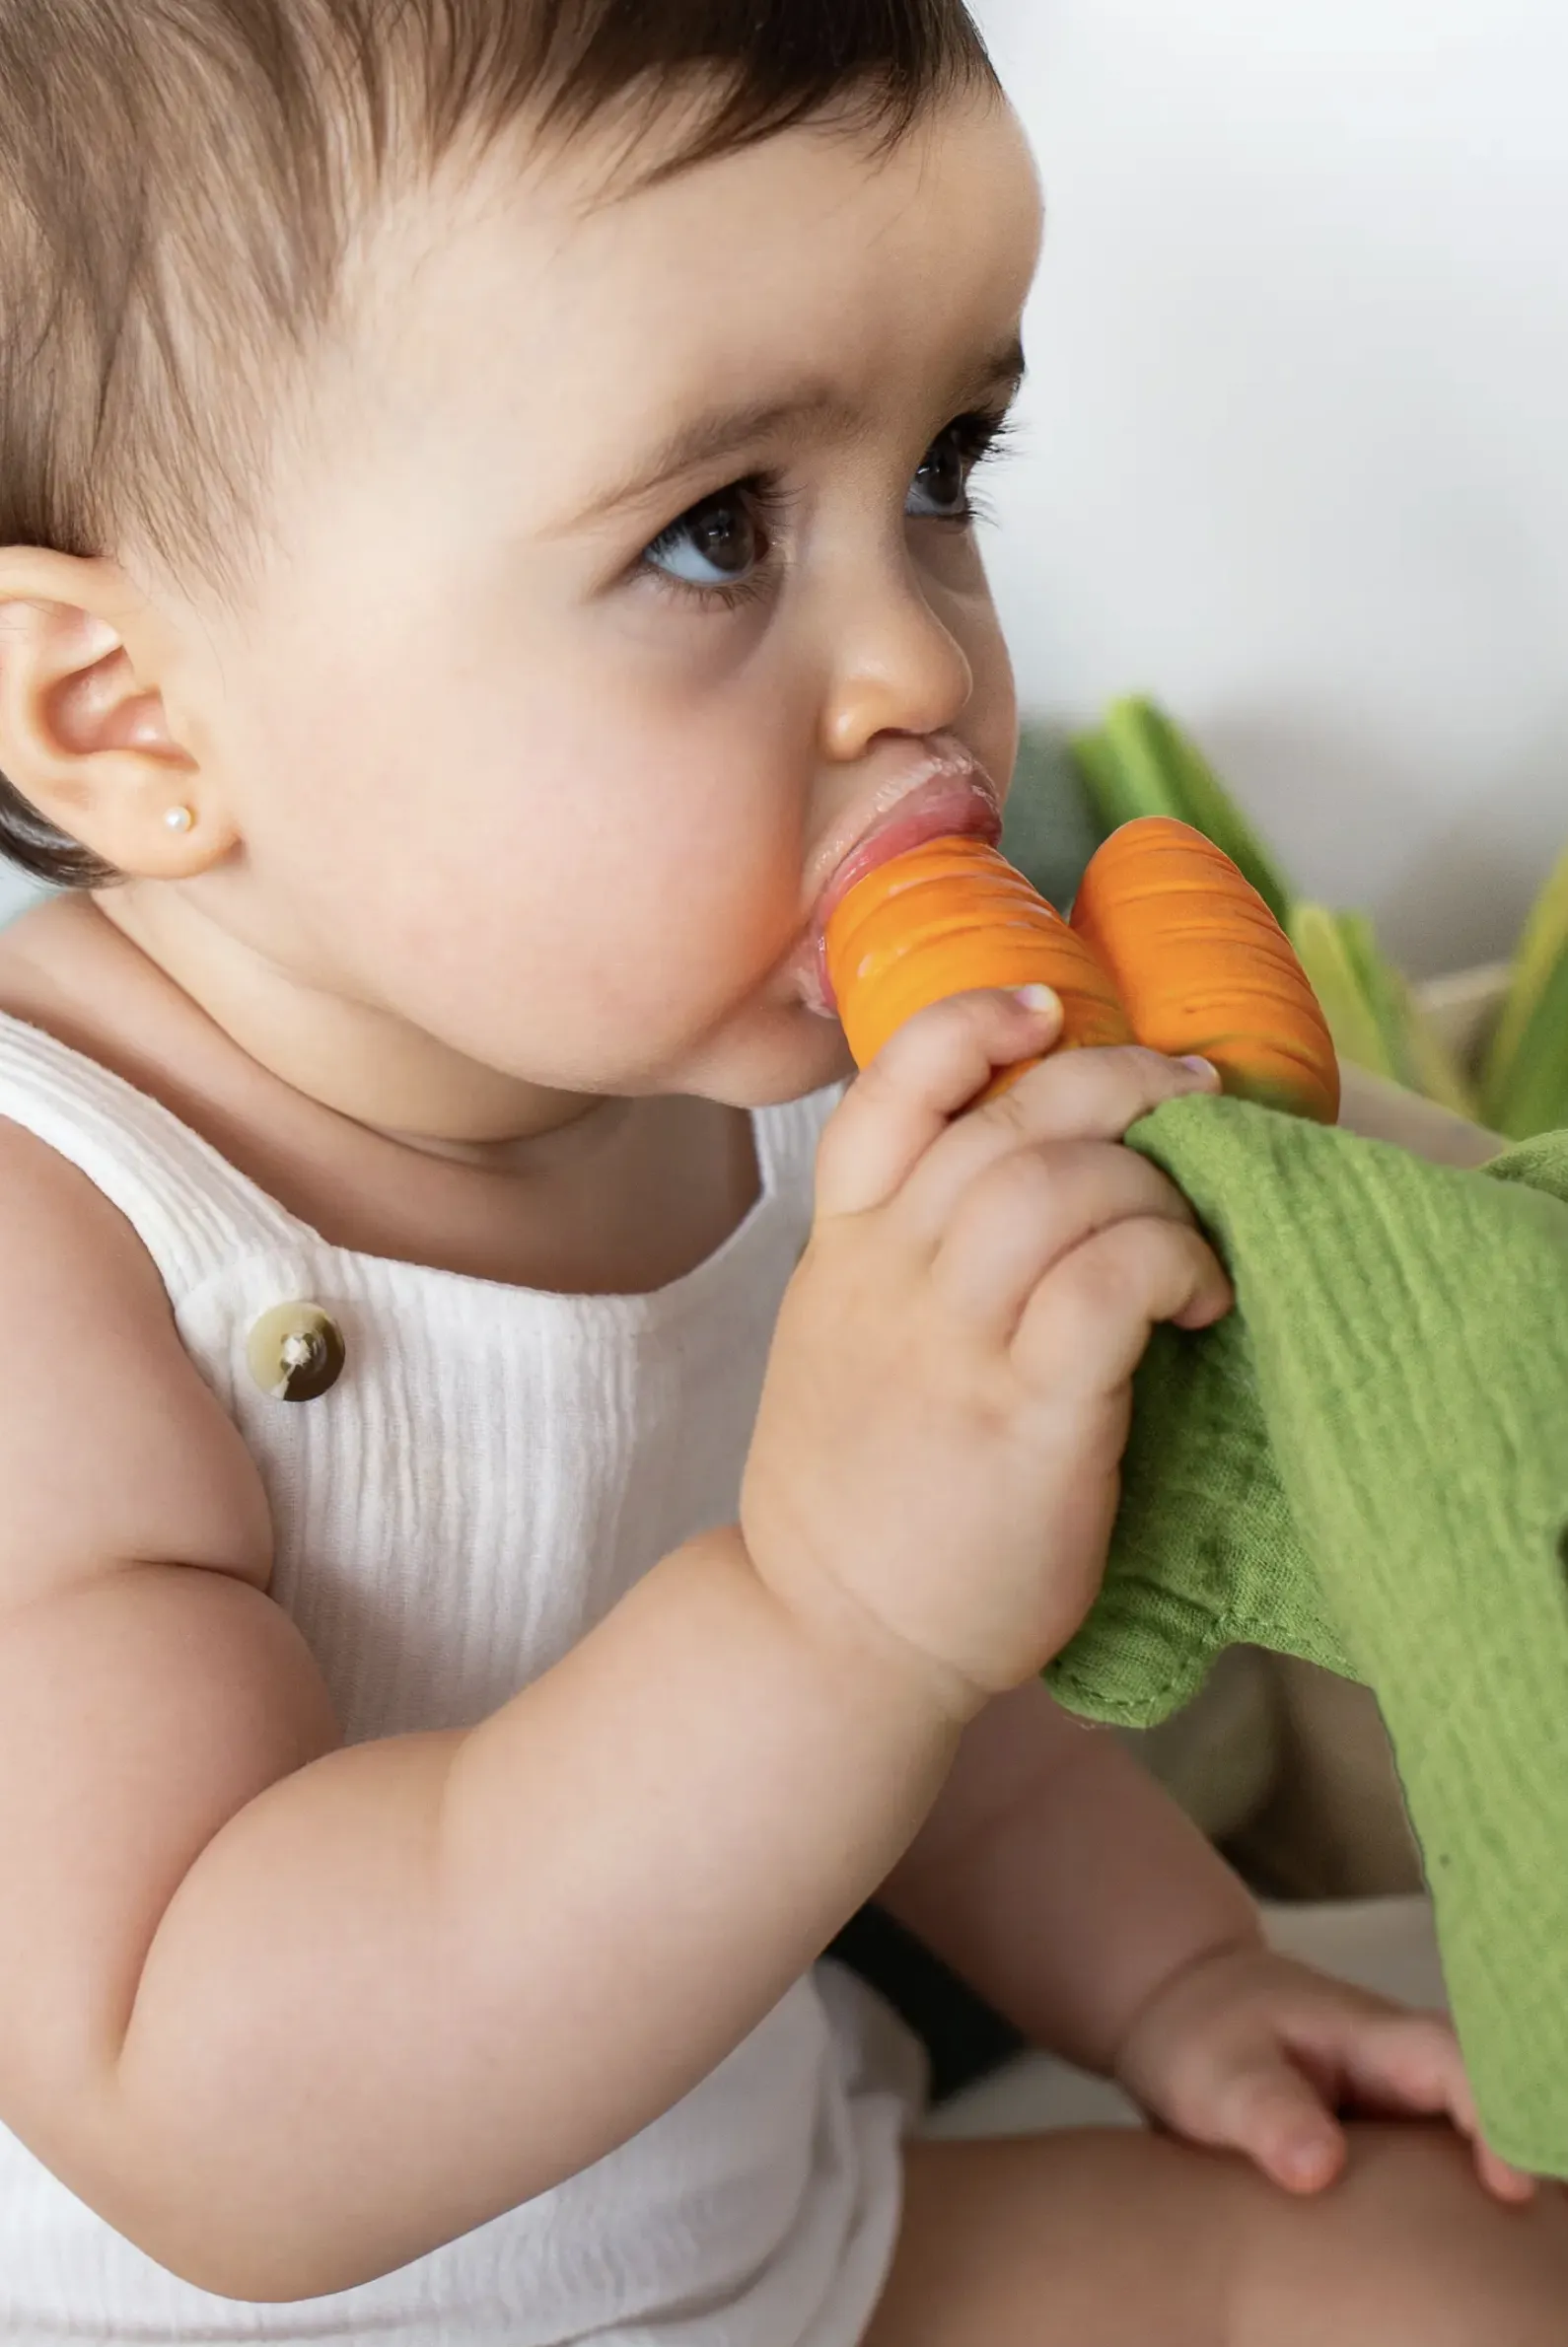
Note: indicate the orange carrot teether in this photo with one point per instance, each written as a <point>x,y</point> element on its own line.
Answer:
<point>946,918</point>
<point>1167,946</point>
<point>1201,965</point>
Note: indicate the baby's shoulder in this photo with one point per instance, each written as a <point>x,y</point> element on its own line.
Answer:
<point>112,1447</point>
<point>58,1231</point>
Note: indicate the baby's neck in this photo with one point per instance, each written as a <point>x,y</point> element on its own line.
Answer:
<point>622,1196</point>
<point>348,1056</point>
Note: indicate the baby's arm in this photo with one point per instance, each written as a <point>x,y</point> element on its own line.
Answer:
<point>290,2014</point>
<point>1059,1878</point>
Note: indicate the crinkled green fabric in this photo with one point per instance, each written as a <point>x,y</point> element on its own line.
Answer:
<point>1367,1466</point>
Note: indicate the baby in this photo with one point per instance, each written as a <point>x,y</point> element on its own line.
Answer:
<point>526,1505</point>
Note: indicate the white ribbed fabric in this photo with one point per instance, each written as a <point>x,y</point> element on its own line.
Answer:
<point>493,1470</point>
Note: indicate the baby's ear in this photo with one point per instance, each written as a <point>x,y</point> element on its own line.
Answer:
<point>84,735</point>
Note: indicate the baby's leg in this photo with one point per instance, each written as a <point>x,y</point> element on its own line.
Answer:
<point>1125,2239</point>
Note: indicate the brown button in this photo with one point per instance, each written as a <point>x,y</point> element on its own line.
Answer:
<point>296,1352</point>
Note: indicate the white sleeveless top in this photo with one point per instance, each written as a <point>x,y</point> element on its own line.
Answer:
<point>492,1472</point>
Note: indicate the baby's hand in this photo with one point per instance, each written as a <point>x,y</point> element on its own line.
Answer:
<point>937,1457</point>
<point>1247,2051</point>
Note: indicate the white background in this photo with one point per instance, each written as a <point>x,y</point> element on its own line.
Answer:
<point>1296,446</point>
<point>1296,454</point>
<point>14,892</point>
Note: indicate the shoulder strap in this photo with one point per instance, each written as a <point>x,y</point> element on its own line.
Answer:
<point>192,1210</point>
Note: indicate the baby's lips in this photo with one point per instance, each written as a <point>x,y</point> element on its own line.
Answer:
<point>822,973</point>
<point>957,801</point>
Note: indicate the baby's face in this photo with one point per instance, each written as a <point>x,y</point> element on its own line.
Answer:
<point>623,576</point>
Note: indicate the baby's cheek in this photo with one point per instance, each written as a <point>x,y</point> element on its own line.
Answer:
<point>990,723</point>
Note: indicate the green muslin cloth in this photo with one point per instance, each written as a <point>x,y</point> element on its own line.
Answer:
<point>1367,1466</point>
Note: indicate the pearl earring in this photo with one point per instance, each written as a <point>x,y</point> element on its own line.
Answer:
<point>181,819</point>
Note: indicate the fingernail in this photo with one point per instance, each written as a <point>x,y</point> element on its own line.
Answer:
<point>1201,1067</point>
<point>1307,2158</point>
<point>1039,998</point>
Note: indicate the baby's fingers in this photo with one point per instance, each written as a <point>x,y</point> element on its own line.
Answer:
<point>1497,2178</point>
<point>1289,2133</point>
<point>1074,1096</point>
<point>1409,2065</point>
<point>1420,2068</point>
<point>1090,1318</point>
<point>1504,2182</point>
<point>1030,1209</point>
<point>907,1098</point>
<point>1266,2111</point>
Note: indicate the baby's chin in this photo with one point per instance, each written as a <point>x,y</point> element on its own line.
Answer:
<point>784,1053</point>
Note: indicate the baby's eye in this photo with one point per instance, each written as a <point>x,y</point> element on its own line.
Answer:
<point>713,544</point>
<point>940,488</point>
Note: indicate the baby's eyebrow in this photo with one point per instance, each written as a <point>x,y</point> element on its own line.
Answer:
<point>709,438</point>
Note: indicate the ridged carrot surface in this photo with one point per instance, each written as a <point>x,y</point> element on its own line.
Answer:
<point>944,919</point>
<point>1201,965</point>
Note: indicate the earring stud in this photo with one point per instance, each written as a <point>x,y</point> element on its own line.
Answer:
<point>181,819</point>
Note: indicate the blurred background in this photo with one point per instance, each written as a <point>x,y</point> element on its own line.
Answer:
<point>1294,455</point>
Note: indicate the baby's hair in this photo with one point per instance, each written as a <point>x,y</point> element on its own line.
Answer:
<point>180,181</point>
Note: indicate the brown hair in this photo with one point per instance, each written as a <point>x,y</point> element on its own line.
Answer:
<point>179,179</point>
